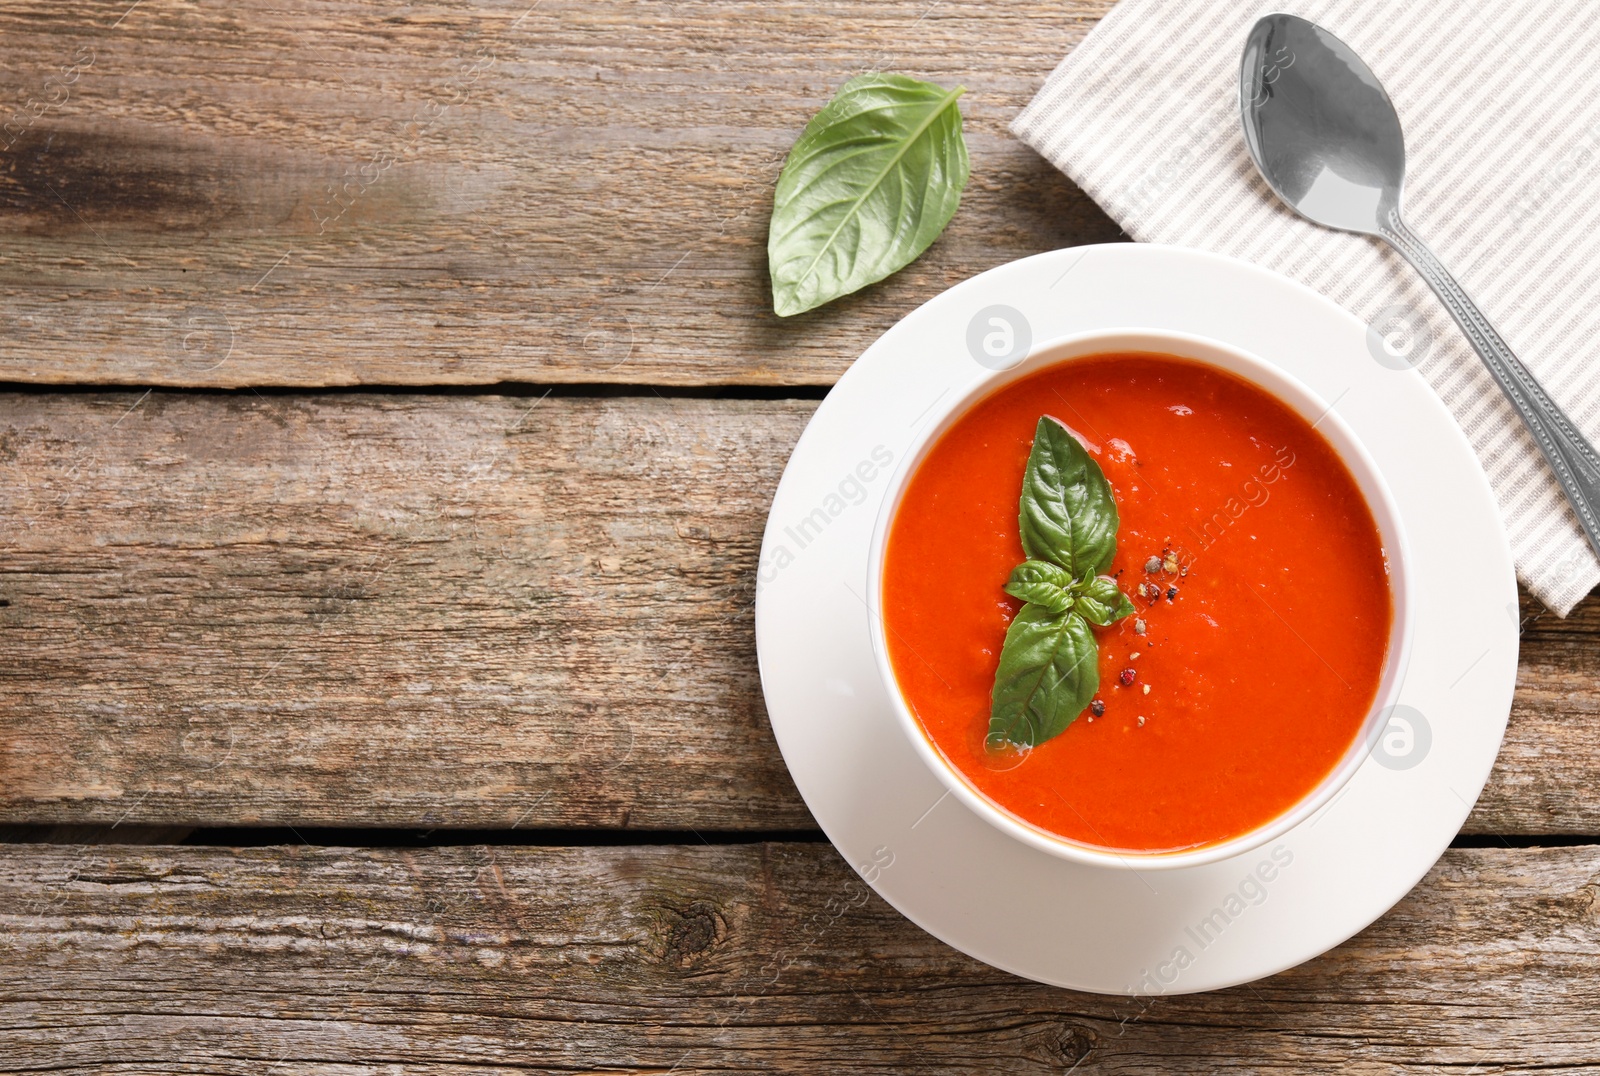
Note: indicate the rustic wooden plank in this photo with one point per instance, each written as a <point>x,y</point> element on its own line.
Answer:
<point>454,611</point>
<point>1555,719</point>
<point>573,191</point>
<point>392,610</point>
<point>771,958</point>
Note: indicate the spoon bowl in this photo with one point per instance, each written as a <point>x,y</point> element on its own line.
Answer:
<point>1319,125</point>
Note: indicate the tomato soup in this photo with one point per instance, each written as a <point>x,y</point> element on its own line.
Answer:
<point>1254,563</point>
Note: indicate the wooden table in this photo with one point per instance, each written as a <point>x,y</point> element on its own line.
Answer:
<point>393,407</point>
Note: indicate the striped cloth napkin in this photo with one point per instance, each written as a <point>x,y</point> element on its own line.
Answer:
<point>1501,109</point>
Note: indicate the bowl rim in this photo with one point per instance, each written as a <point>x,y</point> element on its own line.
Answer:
<point>1288,390</point>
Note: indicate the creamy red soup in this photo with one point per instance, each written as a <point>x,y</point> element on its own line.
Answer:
<point>1265,622</point>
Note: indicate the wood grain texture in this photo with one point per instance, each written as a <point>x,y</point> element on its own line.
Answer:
<point>467,193</point>
<point>455,611</point>
<point>766,958</point>
<point>394,610</point>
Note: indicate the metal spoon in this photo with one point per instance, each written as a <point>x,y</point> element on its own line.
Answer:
<point>1327,140</point>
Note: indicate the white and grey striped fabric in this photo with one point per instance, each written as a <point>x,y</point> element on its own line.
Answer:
<point>1501,109</point>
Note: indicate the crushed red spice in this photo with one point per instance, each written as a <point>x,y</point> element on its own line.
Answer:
<point>1127,676</point>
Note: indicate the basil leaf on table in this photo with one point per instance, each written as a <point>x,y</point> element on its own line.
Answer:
<point>1049,670</point>
<point>1049,666</point>
<point>1067,513</point>
<point>872,181</point>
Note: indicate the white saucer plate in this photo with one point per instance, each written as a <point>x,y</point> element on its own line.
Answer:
<point>1091,928</point>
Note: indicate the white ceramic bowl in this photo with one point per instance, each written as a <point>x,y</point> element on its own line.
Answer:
<point>1278,384</point>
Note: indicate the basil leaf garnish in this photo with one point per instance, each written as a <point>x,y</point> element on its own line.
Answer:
<point>872,181</point>
<point>1049,670</point>
<point>1042,583</point>
<point>1067,513</point>
<point>1049,666</point>
<point>1094,612</point>
<point>1102,604</point>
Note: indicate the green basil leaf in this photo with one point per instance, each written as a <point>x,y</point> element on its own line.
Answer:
<point>1042,583</point>
<point>1067,513</point>
<point>1093,611</point>
<point>872,181</point>
<point>1049,670</point>
<point>1101,603</point>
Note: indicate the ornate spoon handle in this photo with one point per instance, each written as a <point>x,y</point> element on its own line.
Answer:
<point>1572,457</point>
